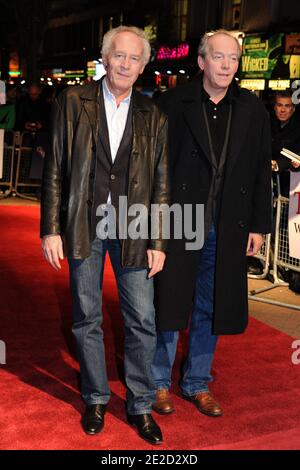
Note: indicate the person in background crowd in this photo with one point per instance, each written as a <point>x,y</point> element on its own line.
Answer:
<point>285,125</point>
<point>32,113</point>
<point>11,94</point>
<point>107,141</point>
<point>220,156</point>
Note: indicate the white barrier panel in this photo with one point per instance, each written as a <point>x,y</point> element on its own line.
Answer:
<point>294,216</point>
<point>2,101</point>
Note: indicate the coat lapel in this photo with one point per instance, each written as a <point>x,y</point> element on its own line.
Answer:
<point>194,118</point>
<point>140,121</point>
<point>89,100</point>
<point>103,128</point>
<point>127,135</point>
<point>93,105</point>
<point>241,120</point>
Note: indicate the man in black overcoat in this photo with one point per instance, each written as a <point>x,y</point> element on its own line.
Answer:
<point>220,156</point>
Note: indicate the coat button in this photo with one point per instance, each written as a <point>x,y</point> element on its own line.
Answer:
<point>243,190</point>
<point>89,202</point>
<point>194,153</point>
<point>112,177</point>
<point>93,148</point>
<point>183,186</point>
<point>92,175</point>
<point>241,224</point>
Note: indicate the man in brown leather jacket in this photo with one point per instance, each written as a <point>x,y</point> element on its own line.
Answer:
<point>109,144</point>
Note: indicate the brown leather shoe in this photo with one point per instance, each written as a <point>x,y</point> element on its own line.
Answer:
<point>206,403</point>
<point>163,404</point>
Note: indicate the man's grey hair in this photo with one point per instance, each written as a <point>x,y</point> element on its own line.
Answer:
<point>204,43</point>
<point>108,38</point>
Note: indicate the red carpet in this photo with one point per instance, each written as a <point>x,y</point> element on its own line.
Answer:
<point>255,380</point>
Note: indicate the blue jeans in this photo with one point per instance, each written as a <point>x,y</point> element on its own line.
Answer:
<point>201,341</point>
<point>136,301</point>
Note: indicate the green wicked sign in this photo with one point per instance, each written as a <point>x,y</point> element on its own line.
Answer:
<point>260,56</point>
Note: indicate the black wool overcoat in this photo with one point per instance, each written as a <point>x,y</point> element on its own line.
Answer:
<point>244,204</point>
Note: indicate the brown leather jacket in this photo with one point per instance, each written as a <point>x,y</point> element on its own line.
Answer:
<point>68,184</point>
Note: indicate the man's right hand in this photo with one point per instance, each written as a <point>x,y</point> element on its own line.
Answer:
<point>295,164</point>
<point>53,250</point>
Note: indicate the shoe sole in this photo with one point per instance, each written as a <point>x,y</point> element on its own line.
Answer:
<point>163,412</point>
<point>212,415</point>
<point>144,438</point>
<point>92,433</point>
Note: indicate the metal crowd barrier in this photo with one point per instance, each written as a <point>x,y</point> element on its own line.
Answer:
<point>17,161</point>
<point>264,257</point>
<point>25,186</point>
<point>6,182</point>
<point>282,257</point>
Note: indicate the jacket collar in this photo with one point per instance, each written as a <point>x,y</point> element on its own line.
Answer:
<point>92,92</point>
<point>92,98</point>
<point>193,115</point>
<point>196,91</point>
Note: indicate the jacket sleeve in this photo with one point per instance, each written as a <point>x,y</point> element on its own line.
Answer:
<point>161,188</point>
<point>54,167</point>
<point>283,163</point>
<point>262,196</point>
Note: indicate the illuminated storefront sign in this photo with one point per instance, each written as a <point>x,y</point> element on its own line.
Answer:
<point>91,68</point>
<point>58,73</point>
<point>74,73</point>
<point>260,56</point>
<point>268,58</point>
<point>95,69</point>
<point>173,53</point>
<point>14,66</point>
<point>253,84</point>
<point>279,84</point>
<point>294,63</point>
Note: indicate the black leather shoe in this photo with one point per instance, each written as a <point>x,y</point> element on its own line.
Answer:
<point>93,419</point>
<point>146,428</point>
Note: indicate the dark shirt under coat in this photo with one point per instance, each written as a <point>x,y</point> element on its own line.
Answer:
<point>217,115</point>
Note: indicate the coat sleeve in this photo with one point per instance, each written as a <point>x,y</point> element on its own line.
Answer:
<point>54,165</point>
<point>262,195</point>
<point>161,188</point>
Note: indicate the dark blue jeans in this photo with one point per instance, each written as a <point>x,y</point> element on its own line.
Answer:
<point>202,343</point>
<point>136,301</point>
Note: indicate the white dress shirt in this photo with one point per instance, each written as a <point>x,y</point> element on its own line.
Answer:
<point>116,117</point>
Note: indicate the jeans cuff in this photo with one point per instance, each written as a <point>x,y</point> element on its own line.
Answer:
<point>96,403</point>
<point>192,394</point>
<point>140,412</point>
